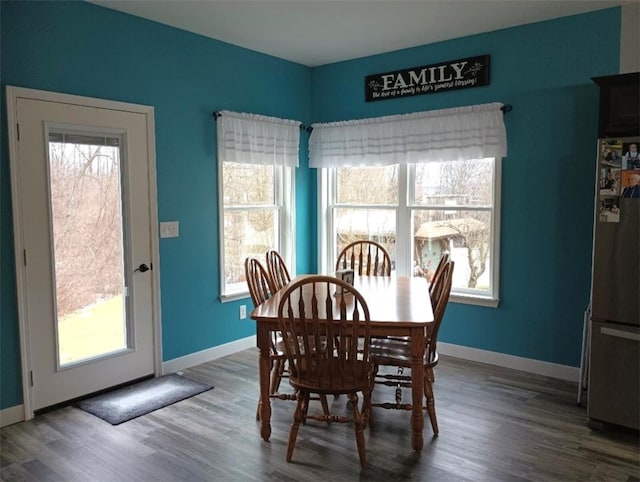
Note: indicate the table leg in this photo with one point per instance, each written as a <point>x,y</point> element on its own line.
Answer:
<point>417,384</point>
<point>264,370</point>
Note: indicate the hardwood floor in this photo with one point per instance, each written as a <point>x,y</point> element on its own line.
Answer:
<point>495,425</point>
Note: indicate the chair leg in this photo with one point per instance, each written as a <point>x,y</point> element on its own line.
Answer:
<point>366,409</point>
<point>359,427</point>
<point>431,402</point>
<point>276,372</point>
<point>325,407</point>
<point>374,374</point>
<point>298,417</point>
<point>305,407</point>
<point>258,410</point>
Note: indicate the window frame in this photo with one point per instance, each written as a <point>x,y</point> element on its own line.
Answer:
<point>404,215</point>
<point>284,209</point>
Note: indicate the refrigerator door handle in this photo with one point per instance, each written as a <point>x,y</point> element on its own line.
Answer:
<point>620,334</point>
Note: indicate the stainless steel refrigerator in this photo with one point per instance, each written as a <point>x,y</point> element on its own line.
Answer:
<point>614,335</point>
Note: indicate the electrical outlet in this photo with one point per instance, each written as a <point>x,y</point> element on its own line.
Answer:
<point>243,312</point>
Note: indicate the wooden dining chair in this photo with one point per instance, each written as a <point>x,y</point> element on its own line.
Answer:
<point>277,269</point>
<point>366,258</point>
<point>258,280</point>
<point>260,289</point>
<point>437,274</point>
<point>311,311</point>
<point>397,353</point>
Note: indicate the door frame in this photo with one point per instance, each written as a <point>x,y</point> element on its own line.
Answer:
<point>13,94</point>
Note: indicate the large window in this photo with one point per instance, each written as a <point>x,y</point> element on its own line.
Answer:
<point>420,184</point>
<point>419,211</point>
<point>257,216</point>
<point>257,157</point>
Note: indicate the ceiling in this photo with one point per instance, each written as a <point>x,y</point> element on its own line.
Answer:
<point>318,32</point>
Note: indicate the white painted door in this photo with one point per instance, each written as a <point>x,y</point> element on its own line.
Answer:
<point>84,232</point>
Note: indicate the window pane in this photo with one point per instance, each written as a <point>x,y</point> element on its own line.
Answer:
<point>373,224</point>
<point>86,215</point>
<point>246,233</point>
<point>367,185</point>
<point>465,234</point>
<point>454,183</point>
<point>248,184</point>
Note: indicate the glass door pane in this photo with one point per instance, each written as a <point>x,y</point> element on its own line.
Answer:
<point>86,212</point>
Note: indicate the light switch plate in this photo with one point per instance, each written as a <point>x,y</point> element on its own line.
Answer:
<point>169,229</point>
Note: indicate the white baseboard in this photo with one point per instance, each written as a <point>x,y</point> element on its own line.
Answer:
<point>188,361</point>
<point>15,414</point>
<point>11,415</point>
<point>553,370</point>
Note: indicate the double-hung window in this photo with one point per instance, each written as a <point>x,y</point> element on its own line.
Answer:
<point>257,156</point>
<point>439,196</point>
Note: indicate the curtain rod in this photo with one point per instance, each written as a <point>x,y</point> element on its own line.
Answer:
<point>505,108</point>
<point>217,114</point>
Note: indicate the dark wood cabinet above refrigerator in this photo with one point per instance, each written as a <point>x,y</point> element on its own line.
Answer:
<point>619,105</point>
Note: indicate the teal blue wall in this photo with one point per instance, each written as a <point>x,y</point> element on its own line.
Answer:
<point>544,71</point>
<point>79,48</point>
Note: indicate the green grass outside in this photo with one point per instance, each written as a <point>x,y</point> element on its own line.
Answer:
<point>92,331</point>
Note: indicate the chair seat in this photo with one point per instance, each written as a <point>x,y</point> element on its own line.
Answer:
<point>397,352</point>
<point>331,378</point>
<point>280,348</point>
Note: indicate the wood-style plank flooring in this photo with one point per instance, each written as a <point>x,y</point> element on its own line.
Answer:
<point>495,425</point>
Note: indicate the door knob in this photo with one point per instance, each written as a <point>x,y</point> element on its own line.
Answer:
<point>142,268</point>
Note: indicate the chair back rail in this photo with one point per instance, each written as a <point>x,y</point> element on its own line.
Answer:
<point>437,274</point>
<point>260,286</point>
<point>365,258</point>
<point>277,269</point>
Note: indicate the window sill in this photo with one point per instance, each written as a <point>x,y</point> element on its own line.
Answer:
<point>474,300</point>
<point>241,295</point>
<point>455,298</point>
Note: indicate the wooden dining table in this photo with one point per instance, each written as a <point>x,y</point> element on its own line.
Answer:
<point>398,306</point>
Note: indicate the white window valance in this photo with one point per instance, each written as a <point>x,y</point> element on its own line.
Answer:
<point>257,139</point>
<point>473,132</point>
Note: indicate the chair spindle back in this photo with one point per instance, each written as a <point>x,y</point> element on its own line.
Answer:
<point>366,258</point>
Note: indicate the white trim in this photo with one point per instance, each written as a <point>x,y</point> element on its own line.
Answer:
<point>13,93</point>
<point>474,300</point>
<point>547,369</point>
<point>210,354</point>
<point>18,238</point>
<point>240,295</point>
<point>154,223</point>
<point>11,415</point>
<point>496,254</point>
